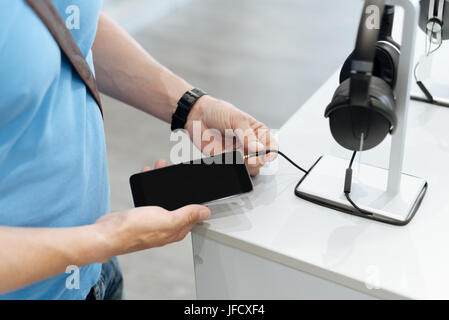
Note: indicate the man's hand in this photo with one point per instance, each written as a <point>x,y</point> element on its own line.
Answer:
<point>251,135</point>
<point>51,250</point>
<point>148,227</point>
<point>125,71</point>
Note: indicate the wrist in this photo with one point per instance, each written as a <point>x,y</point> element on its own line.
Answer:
<point>186,104</point>
<point>176,96</point>
<point>197,111</point>
<point>110,236</point>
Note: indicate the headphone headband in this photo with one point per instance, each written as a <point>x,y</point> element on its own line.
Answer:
<point>367,36</point>
<point>364,54</point>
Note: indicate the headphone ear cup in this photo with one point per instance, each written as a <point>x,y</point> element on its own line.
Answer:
<point>386,63</point>
<point>347,122</point>
<point>383,100</point>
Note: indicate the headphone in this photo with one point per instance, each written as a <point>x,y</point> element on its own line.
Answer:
<point>362,110</point>
<point>432,17</point>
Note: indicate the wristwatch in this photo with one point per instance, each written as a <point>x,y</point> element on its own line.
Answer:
<point>185,104</point>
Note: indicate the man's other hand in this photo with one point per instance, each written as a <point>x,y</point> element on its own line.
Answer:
<point>148,227</point>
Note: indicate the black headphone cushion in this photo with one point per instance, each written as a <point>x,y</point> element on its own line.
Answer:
<point>381,111</point>
<point>386,63</point>
<point>381,98</point>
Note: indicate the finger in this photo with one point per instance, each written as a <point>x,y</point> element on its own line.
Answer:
<point>270,143</point>
<point>247,136</point>
<point>190,214</point>
<point>266,137</point>
<point>253,171</point>
<point>145,169</point>
<point>160,164</point>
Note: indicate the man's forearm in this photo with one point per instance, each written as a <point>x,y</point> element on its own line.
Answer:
<point>125,71</point>
<point>29,255</point>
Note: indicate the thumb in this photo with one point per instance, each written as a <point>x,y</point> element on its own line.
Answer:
<point>191,214</point>
<point>247,136</point>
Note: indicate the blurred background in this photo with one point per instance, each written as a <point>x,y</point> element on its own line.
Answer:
<point>265,56</point>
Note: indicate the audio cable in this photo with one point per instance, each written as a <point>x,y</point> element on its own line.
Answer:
<point>348,175</point>
<point>347,187</point>
<point>264,152</point>
<point>427,95</point>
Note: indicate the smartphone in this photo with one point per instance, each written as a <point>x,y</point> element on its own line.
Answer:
<point>194,182</point>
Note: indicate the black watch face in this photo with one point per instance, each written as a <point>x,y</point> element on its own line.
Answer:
<point>189,98</point>
<point>185,104</point>
<point>198,92</point>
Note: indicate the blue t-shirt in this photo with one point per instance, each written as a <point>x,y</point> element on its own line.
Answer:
<point>53,169</point>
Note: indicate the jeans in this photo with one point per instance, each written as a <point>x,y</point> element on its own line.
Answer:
<point>110,284</point>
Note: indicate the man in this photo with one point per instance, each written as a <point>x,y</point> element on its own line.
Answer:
<point>54,188</point>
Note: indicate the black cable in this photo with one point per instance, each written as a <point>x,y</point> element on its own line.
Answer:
<point>352,159</point>
<point>347,188</point>
<point>264,152</point>
<point>421,85</point>
<point>434,102</point>
<point>348,177</point>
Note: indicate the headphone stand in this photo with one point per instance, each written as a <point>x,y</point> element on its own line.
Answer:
<point>323,185</point>
<point>436,101</point>
<point>390,195</point>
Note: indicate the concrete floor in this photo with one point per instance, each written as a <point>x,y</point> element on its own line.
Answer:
<point>265,56</point>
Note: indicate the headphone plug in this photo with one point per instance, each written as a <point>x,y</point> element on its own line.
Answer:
<point>348,181</point>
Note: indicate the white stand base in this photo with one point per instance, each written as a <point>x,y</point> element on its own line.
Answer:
<point>325,181</point>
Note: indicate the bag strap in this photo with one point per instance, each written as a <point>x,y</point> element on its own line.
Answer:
<point>50,16</point>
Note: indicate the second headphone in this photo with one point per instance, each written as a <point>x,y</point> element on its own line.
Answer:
<point>434,18</point>
<point>363,108</point>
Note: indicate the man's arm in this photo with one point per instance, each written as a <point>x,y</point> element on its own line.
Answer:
<point>126,72</point>
<point>29,255</point>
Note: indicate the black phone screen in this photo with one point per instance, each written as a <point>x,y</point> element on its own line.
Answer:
<point>194,182</point>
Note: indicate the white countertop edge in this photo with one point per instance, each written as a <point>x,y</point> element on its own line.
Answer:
<point>201,229</point>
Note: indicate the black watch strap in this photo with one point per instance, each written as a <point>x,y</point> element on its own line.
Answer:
<point>185,104</point>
